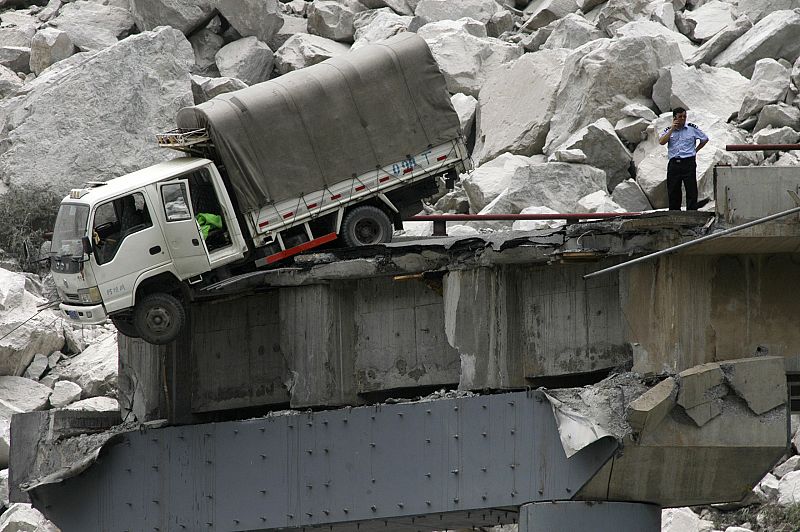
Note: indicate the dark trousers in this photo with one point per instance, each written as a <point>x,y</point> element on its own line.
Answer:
<point>682,172</point>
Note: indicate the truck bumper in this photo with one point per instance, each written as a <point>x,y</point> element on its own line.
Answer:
<point>84,314</point>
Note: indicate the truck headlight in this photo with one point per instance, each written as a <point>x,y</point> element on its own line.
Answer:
<point>90,295</point>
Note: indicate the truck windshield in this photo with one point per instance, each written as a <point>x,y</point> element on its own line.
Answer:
<point>71,224</point>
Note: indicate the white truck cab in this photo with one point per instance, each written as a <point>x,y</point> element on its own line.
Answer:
<point>122,250</point>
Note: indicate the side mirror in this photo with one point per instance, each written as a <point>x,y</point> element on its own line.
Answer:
<point>87,245</point>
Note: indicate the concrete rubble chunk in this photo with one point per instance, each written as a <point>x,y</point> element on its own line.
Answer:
<point>599,201</point>
<point>488,180</point>
<point>113,106</point>
<point>18,394</point>
<point>703,413</point>
<point>696,384</point>
<point>540,13</point>
<point>206,44</point>
<point>769,487</point>
<point>516,105</point>
<point>436,10</point>
<point>22,517</point>
<point>48,46</point>
<point>792,464</point>
<point>789,489</point>
<point>247,59</point>
<point>768,85</point>
<point>15,36</point>
<point>93,26</point>
<point>572,31</point>
<point>632,130</point>
<point>776,36</point>
<point>535,225</point>
<point>568,155</point>
<point>37,367</point>
<point>753,379</point>
<point>183,15</point>
<point>500,23</point>
<point>720,91</point>
<point>64,393</point>
<point>382,26</point>
<point>401,7</point>
<point>291,26</point>
<point>719,42</point>
<point>795,76</point>
<point>604,150</point>
<point>466,55</point>
<point>616,13</point>
<point>683,520</point>
<point>16,58</point>
<point>781,135</point>
<point>95,404</point>
<point>466,107</point>
<point>709,19</point>
<point>756,10</point>
<point>334,19</point>
<point>204,88</point>
<point>630,197</point>
<point>648,28</point>
<point>601,77</point>
<point>778,115</point>
<point>647,410</point>
<point>94,370</point>
<point>9,81</point>
<point>302,50</point>
<point>253,18</point>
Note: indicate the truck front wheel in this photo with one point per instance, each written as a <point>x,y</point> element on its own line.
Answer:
<point>366,225</point>
<point>159,318</point>
<point>126,327</point>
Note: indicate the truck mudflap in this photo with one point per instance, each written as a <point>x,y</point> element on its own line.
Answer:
<point>84,314</point>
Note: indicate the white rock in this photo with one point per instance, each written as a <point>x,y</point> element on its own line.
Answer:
<point>648,28</point>
<point>416,229</point>
<point>94,370</point>
<point>436,10</point>
<point>500,23</point>
<point>601,77</point>
<point>182,15</point>
<point>488,180</point>
<point>603,150</point>
<point>792,464</point>
<point>248,60</point>
<point>588,5</point>
<point>93,26</point>
<point>14,36</point>
<point>683,520</point>
<point>18,394</point>
<point>516,104</point>
<point>663,12</point>
<point>776,36</point>
<point>638,110</point>
<point>54,359</point>
<point>737,529</point>
<point>303,50</point>
<point>461,230</point>
<point>5,441</point>
<point>755,10</point>
<point>632,130</point>
<point>22,517</point>
<point>783,135</point>
<point>64,393</point>
<point>789,489</point>
<point>778,115</point>
<point>769,84</point>
<point>651,158</point>
<point>95,404</point>
<point>616,13</point>
<point>401,7</point>
<point>568,155</point>
<point>206,44</point>
<point>571,32</point>
<point>709,19</point>
<point>382,26</point>
<point>37,367</point>
<point>719,91</point>
<point>536,225</point>
<point>204,88</point>
<point>16,58</point>
<point>630,197</point>
<point>291,26</point>
<point>543,12</point>
<point>4,489</point>
<point>719,42</point>
<point>466,56</point>
<point>796,74</point>
<point>113,111</point>
<point>333,19</point>
<point>9,81</point>
<point>466,107</point>
<point>48,46</point>
<point>599,201</point>
<point>252,18</point>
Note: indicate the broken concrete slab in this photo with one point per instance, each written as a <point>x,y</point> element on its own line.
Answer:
<point>696,384</point>
<point>754,380</point>
<point>703,413</point>
<point>649,409</point>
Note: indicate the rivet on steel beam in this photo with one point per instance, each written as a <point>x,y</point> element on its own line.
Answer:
<point>483,497</point>
<point>511,403</point>
<point>400,505</point>
<point>155,501</point>
<point>344,420</point>
<point>484,407</point>
<point>455,408</point>
<point>427,411</point>
<point>512,431</point>
<point>428,475</point>
<point>310,424</point>
<point>455,500</point>
<point>263,456</point>
<point>327,484</point>
<point>209,523</point>
<point>236,521</point>
<point>483,434</point>
<point>455,436</point>
<point>154,440</point>
<point>483,469</point>
<point>262,429</point>
<point>345,510</point>
<point>427,440</point>
<point>372,444</point>
<point>513,466</point>
<point>182,526</point>
<point>373,481</point>
<point>309,451</point>
<point>325,449</point>
<point>541,491</point>
<point>428,503</point>
<point>513,493</point>
<point>400,414</point>
<point>372,417</point>
<point>291,426</point>
<point>262,492</point>
<point>236,431</point>
<point>209,462</point>
<point>290,516</point>
<point>180,436</point>
<point>454,471</point>
<point>155,467</point>
<point>309,514</point>
<point>129,504</point>
<point>263,519</point>
<point>309,486</point>
<point>209,496</point>
<point>373,508</point>
<point>569,490</point>
<point>326,512</point>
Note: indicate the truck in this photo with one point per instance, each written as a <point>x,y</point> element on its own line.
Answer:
<point>335,153</point>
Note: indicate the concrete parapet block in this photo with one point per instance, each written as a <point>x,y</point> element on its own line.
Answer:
<point>650,408</point>
<point>703,413</point>
<point>697,383</point>
<point>759,381</point>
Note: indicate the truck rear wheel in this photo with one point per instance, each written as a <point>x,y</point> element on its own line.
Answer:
<point>366,225</point>
<point>159,318</point>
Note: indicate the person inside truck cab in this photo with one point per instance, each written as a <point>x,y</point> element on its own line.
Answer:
<point>115,220</point>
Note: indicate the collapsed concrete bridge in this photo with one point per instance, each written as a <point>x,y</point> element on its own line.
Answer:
<point>706,332</point>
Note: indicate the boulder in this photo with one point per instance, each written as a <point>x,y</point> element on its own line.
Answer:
<point>9,81</point>
<point>466,107</point>
<point>638,110</point>
<point>24,332</point>
<point>769,487</point>
<point>94,370</point>
<point>37,367</point>
<point>247,59</point>
<point>93,26</point>
<point>206,44</point>
<point>795,76</point>
<point>778,115</point>
<point>185,16</point>
<point>516,104</point>
<point>603,149</point>
<point>630,197</point>
<point>204,88</point>
<point>252,18</point>
<point>683,520</point>
<point>599,201</point>
<point>401,7</point>
<point>719,42</point>
<point>769,85</point>
<point>5,441</point>
<point>48,46</point>
<point>16,58</point>
<point>631,129</point>
<point>789,489</point>
<point>64,393</point>
<point>588,5</point>
<point>571,32</point>
<point>4,502</point>
<point>719,91</point>
<point>54,359</point>
<point>436,10</point>
<point>453,202</point>
<point>333,19</point>
<point>650,158</point>
<point>792,464</point>
<point>648,28</point>
<point>536,225</point>
<point>18,394</point>
<point>95,404</point>
<point>304,50</point>
<point>382,26</point>
<point>601,77</point>
<point>616,13</point>
<point>709,19</point>
<point>776,36</point>
<point>489,179</point>
<point>14,36</point>
<point>112,112</point>
<point>500,23</point>
<point>568,155</point>
<point>782,135</point>
<point>291,26</point>
<point>663,12</point>
<point>22,517</point>
<point>467,57</point>
<point>755,10</point>
<point>543,12</point>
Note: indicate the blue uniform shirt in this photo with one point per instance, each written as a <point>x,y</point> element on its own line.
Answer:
<point>682,142</point>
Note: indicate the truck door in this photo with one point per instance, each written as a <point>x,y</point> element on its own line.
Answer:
<point>186,246</point>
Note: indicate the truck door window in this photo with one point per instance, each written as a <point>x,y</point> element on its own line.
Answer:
<point>176,208</point>
<point>115,220</point>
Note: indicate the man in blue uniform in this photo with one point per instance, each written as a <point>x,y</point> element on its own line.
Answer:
<point>682,167</point>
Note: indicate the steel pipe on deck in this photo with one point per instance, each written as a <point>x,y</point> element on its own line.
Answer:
<point>762,147</point>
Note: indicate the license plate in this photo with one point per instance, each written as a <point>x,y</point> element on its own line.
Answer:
<point>72,314</point>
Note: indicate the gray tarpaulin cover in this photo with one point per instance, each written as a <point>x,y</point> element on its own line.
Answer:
<point>328,122</point>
